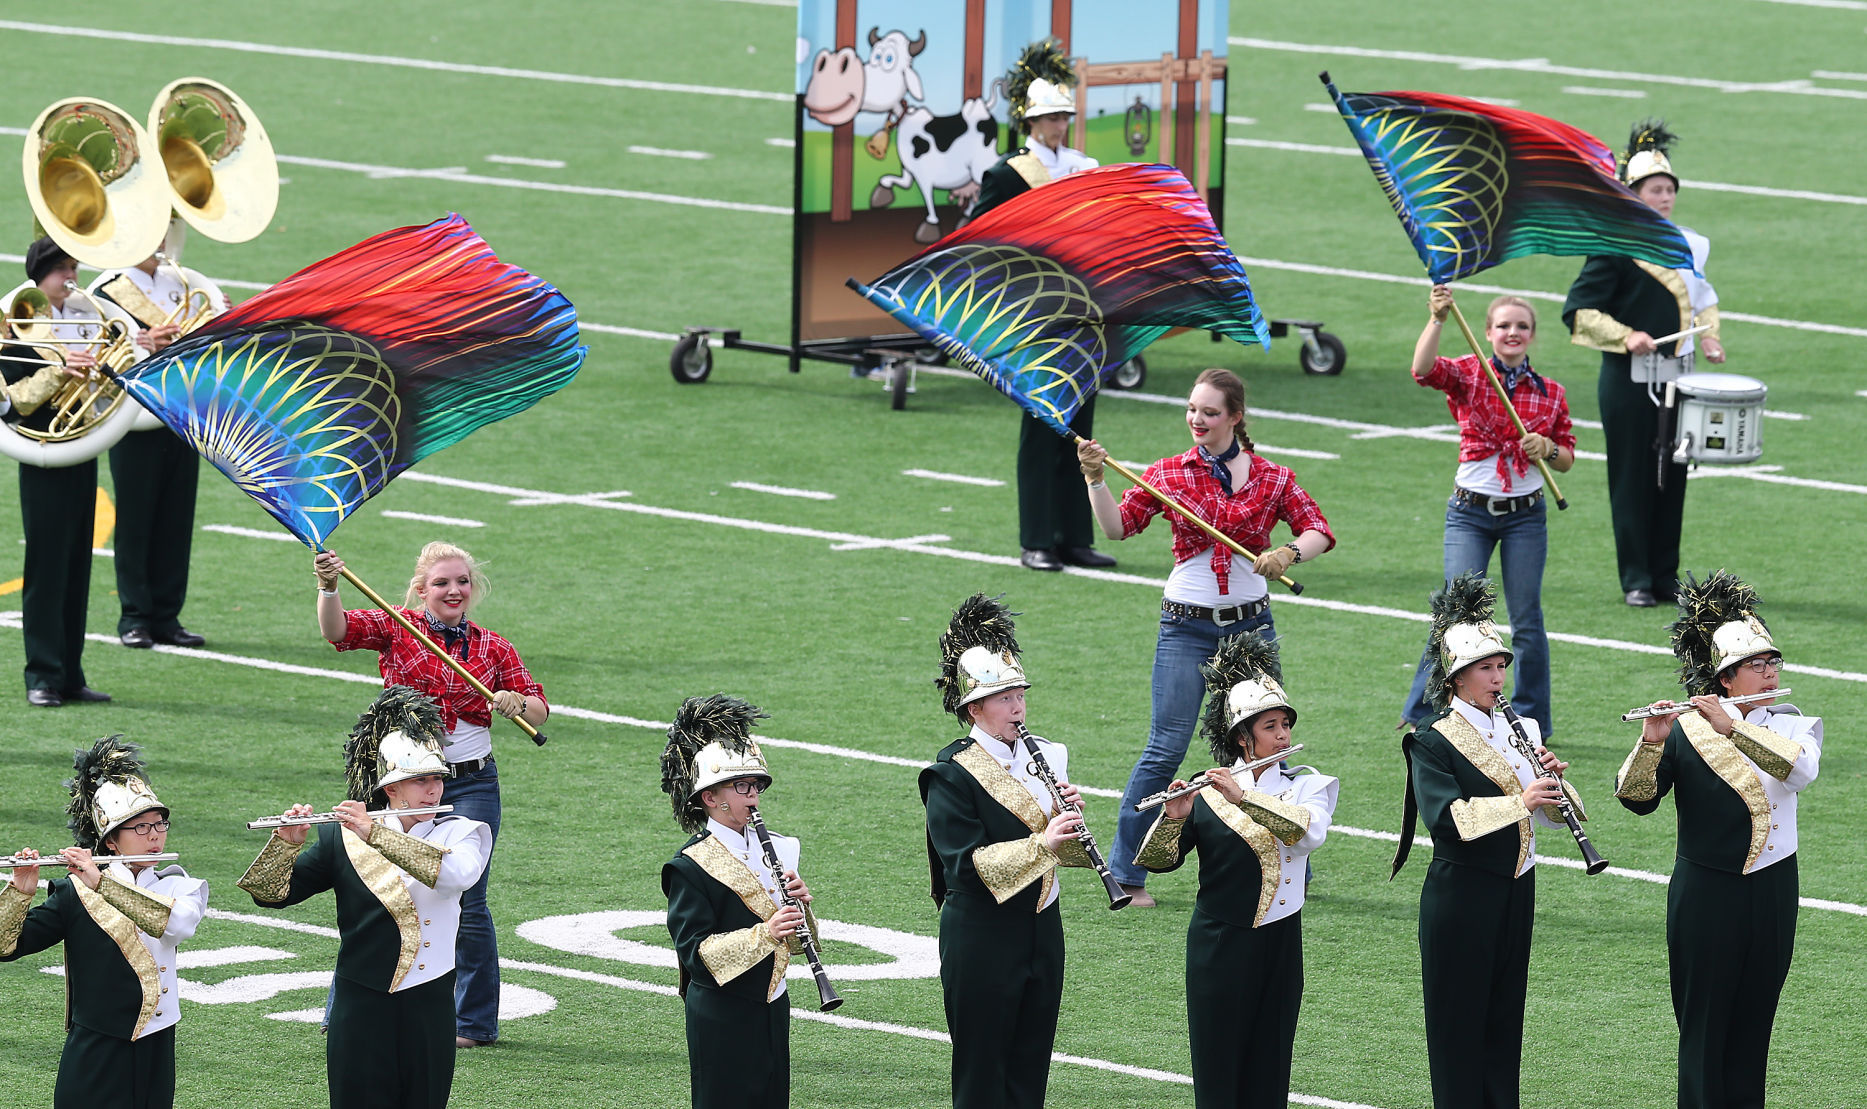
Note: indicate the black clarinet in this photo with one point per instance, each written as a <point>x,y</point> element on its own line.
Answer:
<point>1117,899</point>
<point>826,993</point>
<point>1520,739</point>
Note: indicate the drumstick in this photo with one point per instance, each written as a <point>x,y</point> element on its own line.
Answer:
<point>1681,334</point>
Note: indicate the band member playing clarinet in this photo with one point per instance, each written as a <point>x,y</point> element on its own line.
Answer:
<point>1481,801</point>
<point>1254,830</point>
<point>1734,775</point>
<point>732,930</point>
<point>121,924</point>
<point>398,881</point>
<point>995,837</point>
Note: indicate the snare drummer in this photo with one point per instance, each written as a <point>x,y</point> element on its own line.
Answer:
<point>1618,306</point>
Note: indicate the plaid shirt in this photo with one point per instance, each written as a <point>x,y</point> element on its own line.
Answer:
<point>1270,494</point>
<point>1484,427</point>
<point>404,661</point>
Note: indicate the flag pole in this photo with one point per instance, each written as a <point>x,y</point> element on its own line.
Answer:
<point>452,663</point>
<point>1216,535</point>
<point>1510,409</point>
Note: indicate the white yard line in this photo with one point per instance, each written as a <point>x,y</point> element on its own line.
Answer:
<point>1590,90</point>
<point>784,491</point>
<point>12,620</point>
<point>961,479</point>
<point>516,160</point>
<point>664,152</point>
<point>353,58</point>
<point>1844,5</point>
<point>446,521</point>
<point>1543,65</point>
<point>784,144</point>
<point>249,533</point>
<point>537,186</point>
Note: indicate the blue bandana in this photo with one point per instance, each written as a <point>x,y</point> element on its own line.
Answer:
<point>448,636</point>
<point>1511,377</point>
<point>1218,461</point>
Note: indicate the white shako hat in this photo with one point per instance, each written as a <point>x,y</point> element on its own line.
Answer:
<point>1243,678</point>
<point>1462,633</point>
<point>709,742</point>
<point>1648,144</point>
<point>978,655</point>
<point>397,738</point>
<point>1718,628</point>
<point>110,787</point>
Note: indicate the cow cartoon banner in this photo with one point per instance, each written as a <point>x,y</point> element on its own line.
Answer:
<point>902,109</point>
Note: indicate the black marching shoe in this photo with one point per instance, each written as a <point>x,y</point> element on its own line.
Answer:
<point>182,637</point>
<point>1641,598</point>
<point>85,693</point>
<point>44,698</point>
<point>1085,556</point>
<point>1035,558</point>
<point>138,638</point>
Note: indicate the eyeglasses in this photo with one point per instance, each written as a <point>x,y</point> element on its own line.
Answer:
<point>147,827</point>
<point>1761,666</point>
<point>746,787</point>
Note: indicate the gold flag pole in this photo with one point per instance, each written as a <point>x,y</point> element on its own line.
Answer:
<point>1216,535</point>
<point>1510,409</point>
<point>452,663</point>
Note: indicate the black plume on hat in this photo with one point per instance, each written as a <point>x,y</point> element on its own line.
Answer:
<point>397,709</point>
<point>979,621</point>
<point>1704,607</point>
<point>1242,658</point>
<point>719,719</point>
<point>1466,599</point>
<point>42,257</point>
<point>1044,58</point>
<point>108,760</point>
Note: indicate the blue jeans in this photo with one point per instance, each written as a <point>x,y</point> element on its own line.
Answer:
<point>476,951</point>
<point>1185,642</point>
<point>1521,540</point>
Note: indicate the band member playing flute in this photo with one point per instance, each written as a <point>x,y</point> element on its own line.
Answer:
<point>1735,775</point>
<point>121,925</point>
<point>398,883</point>
<point>995,838</point>
<point>1254,831</point>
<point>1481,801</point>
<point>733,935</point>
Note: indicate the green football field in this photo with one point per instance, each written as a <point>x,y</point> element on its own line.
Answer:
<point>792,540</point>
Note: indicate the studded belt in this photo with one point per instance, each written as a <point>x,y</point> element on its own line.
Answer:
<point>471,766</point>
<point>1219,616</point>
<point>1496,506</point>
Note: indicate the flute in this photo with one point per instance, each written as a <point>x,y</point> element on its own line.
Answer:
<point>1201,781</point>
<point>1682,709</point>
<point>827,998</point>
<point>334,818</point>
<point>13,862</point>
<point>1041,765</point>
<point>1520,739</point>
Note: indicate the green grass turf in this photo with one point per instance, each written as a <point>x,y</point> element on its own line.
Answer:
<point>626,613</point>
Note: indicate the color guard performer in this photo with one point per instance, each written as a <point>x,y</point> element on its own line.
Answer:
<point>1254,829</point>
<point>1482,801</point>
<point>731,928</point>
<point>397,881</point>
<point>121,924</point>
<point>994,842</point>
<point>1735,774</point>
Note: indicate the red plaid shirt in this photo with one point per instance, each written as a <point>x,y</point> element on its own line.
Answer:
<point>1270,494</point>
<point>404,661</point>
<point>1484,427</point>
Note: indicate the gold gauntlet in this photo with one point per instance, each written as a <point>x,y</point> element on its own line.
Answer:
<point>269,879</point>
<point>420,858</point>
<point>148,911</point>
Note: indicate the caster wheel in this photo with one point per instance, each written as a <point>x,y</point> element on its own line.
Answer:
<point>1327,359</point>
<point>1131,374</point>
<point>897,386</point>
<point>692,359</point>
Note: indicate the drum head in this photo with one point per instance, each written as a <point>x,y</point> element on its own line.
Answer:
<point>1724,388</point>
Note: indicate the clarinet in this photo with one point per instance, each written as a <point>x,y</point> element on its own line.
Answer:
<point>826,993</point>
<point>1520,739</point>
<point>1041,765</point>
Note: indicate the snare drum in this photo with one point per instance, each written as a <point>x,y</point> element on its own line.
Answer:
<point>1720,418</point>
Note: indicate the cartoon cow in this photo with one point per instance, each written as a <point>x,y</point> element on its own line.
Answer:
<point>937,152</point>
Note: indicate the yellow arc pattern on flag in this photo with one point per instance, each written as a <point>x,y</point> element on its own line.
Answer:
<point>100,534</point>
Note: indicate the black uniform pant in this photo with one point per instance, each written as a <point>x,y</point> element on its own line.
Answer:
<point>58,514</point>
<point>1053,503</point>
<point>1001,970</point>
<point>97,1070</point>
<point>738,1048</point>
<point>1647,519</point>
<point>155,473</point>
<point>1244,988</point>
<point>1475,966</point>
<point>391,1050</point>
<point>1729,941</point>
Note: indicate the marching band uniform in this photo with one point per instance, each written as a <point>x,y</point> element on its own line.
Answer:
<point>58,512</point>
<point>1478,902</point>
<point>1611,298</point>
<point>1731,905</point>
<point>994,879</point>
<point>120,946</point>
<point>721,894</point>
<point>391,1038</point>
<point>1244,943</point>
<point>155,474</point>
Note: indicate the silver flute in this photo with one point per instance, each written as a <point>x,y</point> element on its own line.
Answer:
<point>1156,800</point>
<point>1683,708</point>
<point>335,818</point>
<point>11,862</point>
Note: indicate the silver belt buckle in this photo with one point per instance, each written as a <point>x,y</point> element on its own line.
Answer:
<point>1491,506</point>
<point>1222,623</point>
